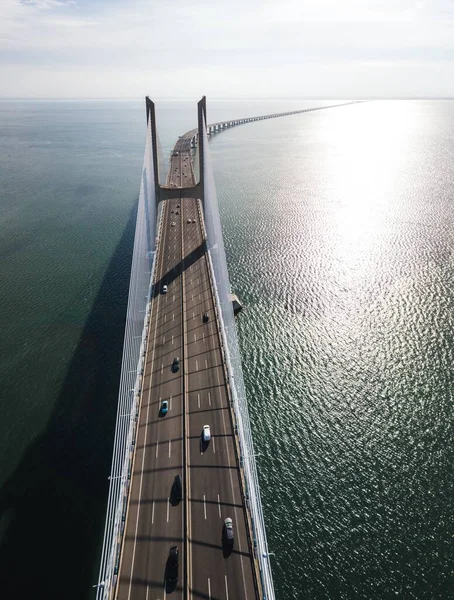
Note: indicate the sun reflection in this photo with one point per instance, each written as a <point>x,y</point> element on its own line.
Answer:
<point>360,185</point>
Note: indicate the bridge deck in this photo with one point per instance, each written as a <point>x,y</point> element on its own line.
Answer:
<point>171,444</point>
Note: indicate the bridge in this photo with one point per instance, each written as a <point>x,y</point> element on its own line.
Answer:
<point>181,348</point>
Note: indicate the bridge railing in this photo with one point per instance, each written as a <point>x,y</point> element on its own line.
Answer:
<point>136,330</point>
<point>232,358</point>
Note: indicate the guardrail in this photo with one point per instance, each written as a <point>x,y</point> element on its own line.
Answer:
<point>232,359</point>
<point>134,347</point>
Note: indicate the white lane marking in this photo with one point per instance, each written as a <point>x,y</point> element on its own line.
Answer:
<point>235,509</point>
<point>217,375</point>
<point>168,504</point>
<point>195,337</point>
<point>141,477</point>
<point>169,448</point>
<point>206,364</point>
<point>173,298</point>
<point>196,365</point>
<point>163,340</point>
<point>157,445</point>
<point>165,318</point>
<point>209,398</point>
<point>226,588</point>
<point>193,315</point>
<point>203,335</point>
<point>165,590</point>
<point>219,506</point>
<point>192,297</point>
<point>162,368</point>
<point>170,403</point>
<point>172,340</point>
<point>204,507</point>
<point>152,514</point>
<point>198,400</point>
<point>173,316</point>
<point>209,589</point>
<point>148,589</point>
<point>214,446</point>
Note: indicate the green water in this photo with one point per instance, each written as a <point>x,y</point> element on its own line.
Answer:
<point>338,230</point>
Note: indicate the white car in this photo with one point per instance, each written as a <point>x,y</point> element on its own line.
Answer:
<point>206,433</point>
<point>164,289</point>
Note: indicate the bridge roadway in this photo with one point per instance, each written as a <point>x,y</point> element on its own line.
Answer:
<point>197,395</point>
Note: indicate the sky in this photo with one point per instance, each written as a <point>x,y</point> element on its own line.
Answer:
<point>226,49</point>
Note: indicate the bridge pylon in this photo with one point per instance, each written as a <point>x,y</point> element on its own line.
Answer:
<point>163,192</point>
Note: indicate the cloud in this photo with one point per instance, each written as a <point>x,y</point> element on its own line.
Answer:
<point>171,41</point>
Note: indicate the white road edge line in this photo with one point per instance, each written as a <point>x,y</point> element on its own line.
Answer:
<point>214,446</point>
<point>219,506</point>
<point>152,513</point>
<point>226,588</point>
<point>157,445</point>
<point>169,447</point>
<point>209,589</point>
<point>168,504</point>
<point>204,507</point>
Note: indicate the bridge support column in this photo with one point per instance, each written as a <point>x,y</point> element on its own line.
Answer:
<point>151,117</point>
<point>202,123</point>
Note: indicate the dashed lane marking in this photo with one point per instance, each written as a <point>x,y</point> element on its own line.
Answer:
<point>226,588</point>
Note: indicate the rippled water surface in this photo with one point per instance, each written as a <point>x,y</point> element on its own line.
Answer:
<point>338,229</point>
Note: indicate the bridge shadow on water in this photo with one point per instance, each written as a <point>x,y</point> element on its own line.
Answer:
<point>54,503</point>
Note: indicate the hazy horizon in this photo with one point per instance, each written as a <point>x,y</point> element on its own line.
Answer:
<point>90,49</point>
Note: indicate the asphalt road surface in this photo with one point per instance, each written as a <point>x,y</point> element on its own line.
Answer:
<point>171,444</point>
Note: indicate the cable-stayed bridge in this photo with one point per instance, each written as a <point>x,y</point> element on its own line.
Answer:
<point>181,354</point>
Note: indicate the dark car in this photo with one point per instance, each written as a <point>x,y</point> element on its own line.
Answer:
<point>228,534</point>
<point>177,489</point>
<point>175,364</point>
<point>205,318</point>
<point>172,565</point>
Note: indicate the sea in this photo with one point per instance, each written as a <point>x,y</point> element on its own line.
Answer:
<point>338,227</point>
